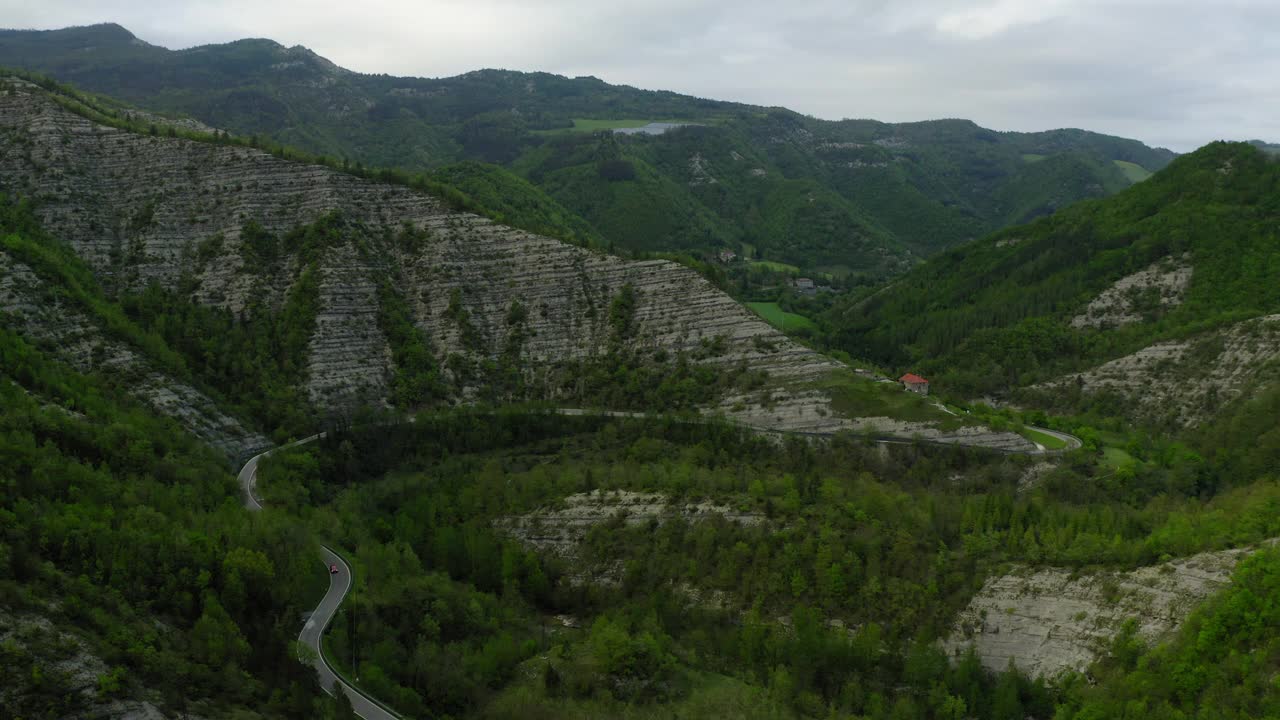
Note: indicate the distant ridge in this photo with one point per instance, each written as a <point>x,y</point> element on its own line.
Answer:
<point>853,201</point>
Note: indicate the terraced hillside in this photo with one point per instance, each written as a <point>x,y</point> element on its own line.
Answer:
<point>240,229</point>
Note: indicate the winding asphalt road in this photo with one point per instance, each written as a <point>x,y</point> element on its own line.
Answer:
<point>339,585</point>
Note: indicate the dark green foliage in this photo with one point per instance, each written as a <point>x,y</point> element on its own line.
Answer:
<point>513,200</point>
<point>646,212</point>
<point>472,339</point>
<point>628,378</point>
<point>123,531</point>
<point>417,380</point>
<point>839,544</point>
<point>616,170</point>
<point>259,248</point>
<point>622,314</point>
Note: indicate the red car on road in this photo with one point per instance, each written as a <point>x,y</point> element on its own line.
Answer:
<point>333,569</point>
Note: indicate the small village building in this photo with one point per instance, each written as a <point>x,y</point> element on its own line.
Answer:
<point>805,286</point>
<point>915,383</point>
<point>728,256</point>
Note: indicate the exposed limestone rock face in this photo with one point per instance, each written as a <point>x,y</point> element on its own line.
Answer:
<point>350,360</point>
<point>161,121</point>
<point>1161,286</point>
<point>1052,620</point>
<point>560,530</point>
<point>143,209</point>
<point>1187,380</point>
<point>66,333</point>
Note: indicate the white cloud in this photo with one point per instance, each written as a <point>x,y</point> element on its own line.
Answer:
<point>988,19</point>
<point>1171,72</point>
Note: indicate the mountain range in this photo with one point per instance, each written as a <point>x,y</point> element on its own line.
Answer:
<point>851,199</point>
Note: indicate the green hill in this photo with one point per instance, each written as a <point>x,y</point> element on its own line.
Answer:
<point>856,198</point>
<point>1195,247</point>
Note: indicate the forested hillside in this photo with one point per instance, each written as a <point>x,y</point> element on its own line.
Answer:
<point>625,567</point>
<point>858,200</point>
<point>1182,255</point>
<point>129,576</point>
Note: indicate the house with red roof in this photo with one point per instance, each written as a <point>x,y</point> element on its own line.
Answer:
<point>915,383</point>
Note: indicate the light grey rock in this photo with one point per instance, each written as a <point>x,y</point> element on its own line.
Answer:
<point>1050,620</point>
<point>1186,381</point>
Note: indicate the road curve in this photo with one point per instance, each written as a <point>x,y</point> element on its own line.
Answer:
<point>1073,442</point>
<point>339,585</point>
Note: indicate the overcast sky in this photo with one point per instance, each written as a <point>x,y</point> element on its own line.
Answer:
<point>1177,73</point>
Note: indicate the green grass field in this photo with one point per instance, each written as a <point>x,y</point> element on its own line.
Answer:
<point>1050,442</point>
<point>1032,157</point>
<point>779,318</point>
<point>775,266</point>
<point>858,397</point>
<point>1117,458</point>
<point>1135,172</point>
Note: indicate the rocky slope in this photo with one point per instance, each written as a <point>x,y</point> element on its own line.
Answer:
<point>560,529</point>
<point>1186,382</point>
<point>151,209</point>
<point>1050,620</point>
<point>1161,285</point>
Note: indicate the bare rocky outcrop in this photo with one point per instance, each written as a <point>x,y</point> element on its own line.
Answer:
<point>1186,381</point>
<point>142,209</point>
<point>698,172</point>
<point>161,121</point>
<point>1051,620</point>
<point>1162,286</point>
<point>560,529</point>
<point>350,357</point>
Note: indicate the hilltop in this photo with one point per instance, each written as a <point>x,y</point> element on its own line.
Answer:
<point>854,199</point>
